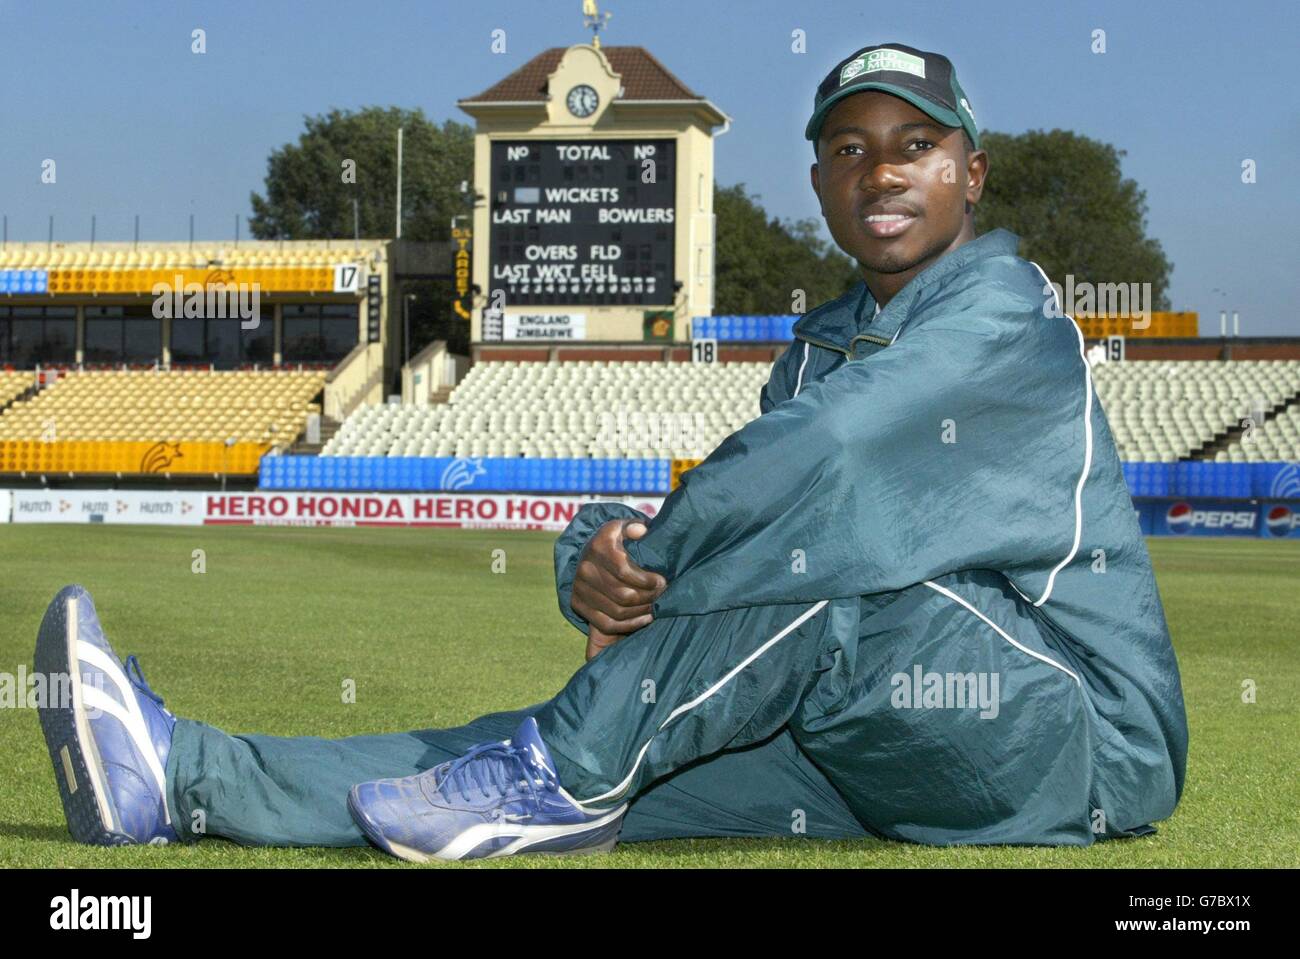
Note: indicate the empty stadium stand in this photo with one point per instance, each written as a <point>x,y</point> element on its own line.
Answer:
<point>779,327</point>
<point>1276,440</point>
<point>1159,411</point>
<point>137,306</point>
<point>193,405</point>
<point>1164,411</point>
<point>562,410</point>
<point>13,385</point>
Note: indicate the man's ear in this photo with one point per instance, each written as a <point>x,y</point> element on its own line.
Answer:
<point>977,171</point>
<point>814,175</point>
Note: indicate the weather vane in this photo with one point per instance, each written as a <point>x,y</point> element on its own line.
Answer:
<point>594,21</point>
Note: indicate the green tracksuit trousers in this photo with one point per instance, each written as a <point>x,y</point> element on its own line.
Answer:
<point>727,766</point>
<point>833,720</point>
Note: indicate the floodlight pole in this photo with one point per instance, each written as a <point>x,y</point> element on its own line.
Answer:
<point>399,183</point>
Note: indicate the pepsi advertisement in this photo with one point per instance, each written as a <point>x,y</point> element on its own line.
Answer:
<point>1280,519</point>
<point>1219,518</point>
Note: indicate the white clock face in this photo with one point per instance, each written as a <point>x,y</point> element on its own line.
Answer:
<point>582,101</point>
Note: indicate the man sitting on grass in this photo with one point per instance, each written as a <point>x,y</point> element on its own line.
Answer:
<point>910,600</point>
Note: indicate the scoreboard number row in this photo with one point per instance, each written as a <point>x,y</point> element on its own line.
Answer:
<point>620,285</point>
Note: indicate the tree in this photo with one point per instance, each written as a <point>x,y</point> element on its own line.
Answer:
<point>1075,213</point>
<point>309,197</point>
<point>761,262</point>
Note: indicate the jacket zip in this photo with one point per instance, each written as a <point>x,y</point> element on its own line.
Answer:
<point>870,339</point>
<point>848,353</point>
<point>824,345</point>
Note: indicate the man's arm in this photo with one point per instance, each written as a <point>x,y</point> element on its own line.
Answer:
<point>957,447</point>
<point>572,543</point>
<point>591,566</point>
<point>609,591</point>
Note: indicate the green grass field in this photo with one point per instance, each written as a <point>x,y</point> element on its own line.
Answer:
<point>262,641</point>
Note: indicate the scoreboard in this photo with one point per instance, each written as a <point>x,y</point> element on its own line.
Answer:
<point>582,222</point>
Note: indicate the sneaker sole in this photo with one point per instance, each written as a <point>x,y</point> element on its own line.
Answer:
<point>77,770</point>
<point>373,833</point>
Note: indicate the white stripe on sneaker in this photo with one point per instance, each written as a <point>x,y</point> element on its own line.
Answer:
<point>129,716</point>
<point>85,740</point>
<point>475,836</point>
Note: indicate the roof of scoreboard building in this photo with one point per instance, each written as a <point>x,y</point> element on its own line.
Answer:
<point>643,78</point>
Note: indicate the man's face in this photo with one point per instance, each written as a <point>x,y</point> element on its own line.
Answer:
<point>893,185</point>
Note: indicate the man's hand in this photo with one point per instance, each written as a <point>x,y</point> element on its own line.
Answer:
<point>597,641</point>
<point>610,592</point>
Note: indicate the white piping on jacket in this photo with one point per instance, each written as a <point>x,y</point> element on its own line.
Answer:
<point>1087,444</point>
<point>998,629</point>
<point>799,383</point>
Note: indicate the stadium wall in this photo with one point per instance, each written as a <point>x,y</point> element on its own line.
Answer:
<point>1205,348</point>
<point>184,508</point>
<point>618,352</point>
<point>764,348</point>
<point>1268,519</point>
<point>623,476</point>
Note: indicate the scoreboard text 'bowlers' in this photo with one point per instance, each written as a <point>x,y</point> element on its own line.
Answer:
<point>583,222</point>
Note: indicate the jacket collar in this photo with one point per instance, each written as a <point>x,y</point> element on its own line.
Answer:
<point>838,323</point>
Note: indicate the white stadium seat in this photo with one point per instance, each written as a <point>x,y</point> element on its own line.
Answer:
<point>1162,411</point>
<point>1159,411</point>
<point>625,409</point>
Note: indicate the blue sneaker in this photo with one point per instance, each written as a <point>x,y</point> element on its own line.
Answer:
<point>107,731</point>
<point>499,799</point>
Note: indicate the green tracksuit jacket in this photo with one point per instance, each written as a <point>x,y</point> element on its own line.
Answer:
<point>945,472</point>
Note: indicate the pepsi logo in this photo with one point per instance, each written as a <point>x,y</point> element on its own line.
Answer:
<point>1182,518</point>
<point>1282,521</point>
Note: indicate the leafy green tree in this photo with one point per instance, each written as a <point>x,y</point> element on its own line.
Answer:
<point>760,262</point>
<point>308,197</point>
<point>1075,213</point>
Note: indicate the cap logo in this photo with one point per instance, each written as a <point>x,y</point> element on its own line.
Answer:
<point>966,106</point>
<point>883,59</point>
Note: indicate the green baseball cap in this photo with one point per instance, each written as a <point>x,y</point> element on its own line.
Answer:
<point>925,80</point>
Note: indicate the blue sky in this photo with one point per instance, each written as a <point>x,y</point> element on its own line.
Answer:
<point>138,124</point>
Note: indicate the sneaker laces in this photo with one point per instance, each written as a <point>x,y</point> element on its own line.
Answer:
<point>136,675</point>
<point>496,768</point>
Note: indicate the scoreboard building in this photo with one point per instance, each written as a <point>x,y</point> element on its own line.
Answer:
<point>596,167</point>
